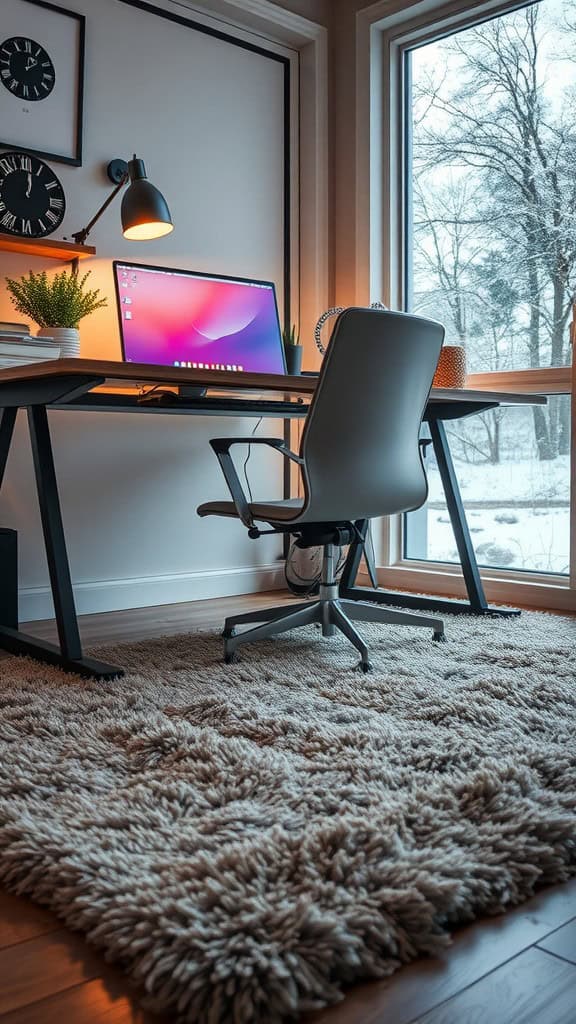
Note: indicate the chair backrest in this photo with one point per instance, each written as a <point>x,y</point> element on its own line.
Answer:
<point>360,441</point>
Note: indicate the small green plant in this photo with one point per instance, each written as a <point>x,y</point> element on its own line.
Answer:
<point>291,336</point>
<point>61,301</point>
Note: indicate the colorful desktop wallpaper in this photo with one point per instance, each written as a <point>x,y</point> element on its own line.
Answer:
<point>177,319</point>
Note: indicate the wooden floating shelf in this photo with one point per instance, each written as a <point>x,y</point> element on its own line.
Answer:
<point>53,250</point>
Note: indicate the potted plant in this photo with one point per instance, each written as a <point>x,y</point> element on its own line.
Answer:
<point>292,349</point>
<point>57,305</point>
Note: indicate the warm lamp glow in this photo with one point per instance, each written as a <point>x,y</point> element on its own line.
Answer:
<point>145,232</point>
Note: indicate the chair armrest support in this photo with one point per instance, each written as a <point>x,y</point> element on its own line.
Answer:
<point>221,447</point>
<point>223,444</point>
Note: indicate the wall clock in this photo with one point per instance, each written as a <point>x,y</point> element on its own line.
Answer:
<point>41,79</point>
<point>26,69</point>
<point>32,201</point>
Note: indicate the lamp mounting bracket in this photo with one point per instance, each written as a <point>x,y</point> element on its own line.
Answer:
<point>117,171</point>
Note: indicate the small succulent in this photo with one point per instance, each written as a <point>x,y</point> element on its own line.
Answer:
<point>291,336</point>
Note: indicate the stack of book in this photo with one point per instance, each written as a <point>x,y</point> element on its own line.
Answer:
<point>18,346</point>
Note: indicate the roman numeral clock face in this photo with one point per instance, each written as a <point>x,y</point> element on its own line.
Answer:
<point>32,201</point>
<point>26,70</point>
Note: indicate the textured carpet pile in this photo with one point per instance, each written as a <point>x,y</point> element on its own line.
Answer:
<point>246,840</point>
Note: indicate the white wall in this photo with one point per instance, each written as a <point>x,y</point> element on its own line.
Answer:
<point>207,118</point>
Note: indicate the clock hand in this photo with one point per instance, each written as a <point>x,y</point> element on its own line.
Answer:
<point>29,189</point>
<point>30,63</point>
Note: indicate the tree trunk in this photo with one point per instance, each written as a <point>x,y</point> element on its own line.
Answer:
<point>541,432</point>
<point>556,357</point>
<point>564,425</point>
<point>545,450</point>
<point>491,422</point>
<point>495,447</point>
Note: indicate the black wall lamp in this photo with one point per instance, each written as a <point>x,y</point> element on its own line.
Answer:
<point>144,210</point>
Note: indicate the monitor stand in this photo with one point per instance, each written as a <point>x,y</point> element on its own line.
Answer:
<point>191,391</point>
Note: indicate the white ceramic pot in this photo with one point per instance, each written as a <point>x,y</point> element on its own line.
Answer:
<point>67,337</point>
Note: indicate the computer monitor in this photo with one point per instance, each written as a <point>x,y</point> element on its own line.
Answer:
<point>202,321</point>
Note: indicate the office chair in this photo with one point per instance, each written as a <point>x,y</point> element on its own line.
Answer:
<point>360,458</point>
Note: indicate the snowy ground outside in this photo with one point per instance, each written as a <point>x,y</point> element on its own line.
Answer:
<point>518,513</point>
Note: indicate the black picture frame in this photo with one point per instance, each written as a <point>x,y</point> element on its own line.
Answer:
<point>74,156</point>
<point>197,26</point>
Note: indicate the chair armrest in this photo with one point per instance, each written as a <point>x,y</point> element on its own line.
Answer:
<point>221,446</point>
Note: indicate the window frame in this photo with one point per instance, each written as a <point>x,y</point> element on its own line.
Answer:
<point>385,32</point>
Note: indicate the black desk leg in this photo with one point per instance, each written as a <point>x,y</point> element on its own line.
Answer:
<point>471,573</point>
<point>53,530</point>
<point>69,655</point>
<point>6,432</point>
<point>8,538</point>
<point>477,603</point>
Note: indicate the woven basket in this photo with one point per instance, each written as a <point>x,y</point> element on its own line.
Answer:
<point>451,369</point>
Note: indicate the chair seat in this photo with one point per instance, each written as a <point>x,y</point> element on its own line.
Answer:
<point>267,511</point>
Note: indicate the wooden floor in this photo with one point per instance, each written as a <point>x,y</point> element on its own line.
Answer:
<point>515,969</point>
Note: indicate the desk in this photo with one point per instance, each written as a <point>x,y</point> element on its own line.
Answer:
<point>74,383</point>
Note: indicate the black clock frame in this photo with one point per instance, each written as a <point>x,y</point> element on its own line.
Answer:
<point>76,160</point>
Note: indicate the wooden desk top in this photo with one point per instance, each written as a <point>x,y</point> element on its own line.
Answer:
<point>146,373</point>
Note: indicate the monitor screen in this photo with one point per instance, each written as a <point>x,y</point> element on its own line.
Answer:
<point>200,321</point>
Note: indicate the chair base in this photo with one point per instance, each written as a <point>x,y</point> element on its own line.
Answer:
<point>330,613</point>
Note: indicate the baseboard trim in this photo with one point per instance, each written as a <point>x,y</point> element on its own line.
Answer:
<point>145,591</point>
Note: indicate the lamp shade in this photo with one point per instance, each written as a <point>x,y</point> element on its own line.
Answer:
<point>145,212</point>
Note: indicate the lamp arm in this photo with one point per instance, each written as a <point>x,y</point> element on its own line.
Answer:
<point>81,236</point>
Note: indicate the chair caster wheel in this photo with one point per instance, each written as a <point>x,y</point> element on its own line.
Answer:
<point>366,666</point>
<point>440,638</point>
<point>228,633</point>
<point>230,657</point>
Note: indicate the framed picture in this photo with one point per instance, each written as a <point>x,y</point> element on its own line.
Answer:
<point>41,79</point>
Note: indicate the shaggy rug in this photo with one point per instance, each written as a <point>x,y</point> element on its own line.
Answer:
<point>246,840</point>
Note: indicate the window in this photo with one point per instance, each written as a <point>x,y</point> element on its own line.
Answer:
<point>490,243</point>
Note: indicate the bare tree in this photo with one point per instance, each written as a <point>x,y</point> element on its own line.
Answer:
<point>491,121</point>
<point>466,288</point>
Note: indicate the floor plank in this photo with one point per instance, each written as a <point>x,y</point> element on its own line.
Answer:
<point>43,966</point>
<point>21,920</point>
<point>556,905</point>
<point>477,949</point>
<point>96,1002</point>
<point>534,988</point>
<point>562,943</point>
<point>161,620</point>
